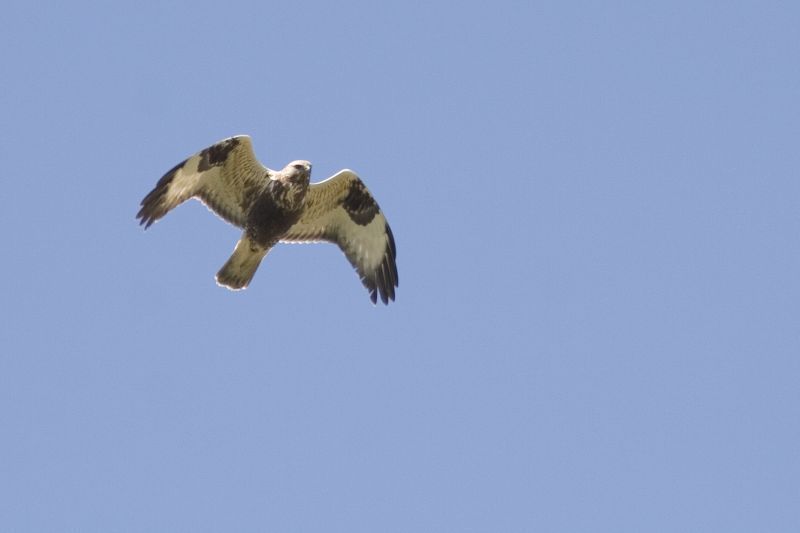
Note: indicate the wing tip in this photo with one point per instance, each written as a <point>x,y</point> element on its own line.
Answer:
<point>383,281</point>
<point>152,205</point>
<point>147,215</point>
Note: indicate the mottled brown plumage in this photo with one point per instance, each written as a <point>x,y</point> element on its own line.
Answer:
<point>280,206</point>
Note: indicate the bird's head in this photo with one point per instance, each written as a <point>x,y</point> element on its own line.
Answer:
<point>297,172</point>
<point>295,178</point>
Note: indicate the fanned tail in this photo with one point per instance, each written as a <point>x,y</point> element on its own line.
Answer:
<point>240,268</point>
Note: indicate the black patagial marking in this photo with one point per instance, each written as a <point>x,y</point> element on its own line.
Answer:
<point>152,207</point>
<point>361,207</point>
<point>216,155</point>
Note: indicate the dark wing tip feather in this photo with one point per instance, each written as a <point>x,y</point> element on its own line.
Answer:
<point>384,279</point>
<point>379,284</point>
<point>369,282</point>
<point>391,258</point>
<point>389,281</point>
<point>392,246</point>
<point>153,206</point>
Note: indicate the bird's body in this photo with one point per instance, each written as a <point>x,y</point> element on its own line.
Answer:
<point>280,206</point>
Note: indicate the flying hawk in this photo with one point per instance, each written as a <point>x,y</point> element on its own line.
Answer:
<point>280,206</point>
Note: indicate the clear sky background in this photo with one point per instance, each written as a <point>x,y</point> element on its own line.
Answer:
<point>597,214</point>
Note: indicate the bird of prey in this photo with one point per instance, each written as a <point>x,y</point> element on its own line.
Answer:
<point>280,206</point>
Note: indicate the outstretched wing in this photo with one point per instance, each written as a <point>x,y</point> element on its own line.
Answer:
<point>226,177</point>
<point>341,210</point>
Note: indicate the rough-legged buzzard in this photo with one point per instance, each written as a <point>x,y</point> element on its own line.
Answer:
<point>280,206</point>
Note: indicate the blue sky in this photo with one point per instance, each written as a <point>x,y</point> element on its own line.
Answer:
<point>596,215</point>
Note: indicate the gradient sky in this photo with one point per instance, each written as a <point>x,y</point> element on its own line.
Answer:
<point>597,213</point>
